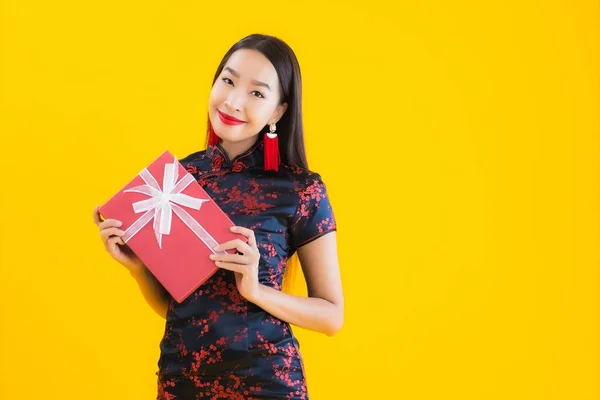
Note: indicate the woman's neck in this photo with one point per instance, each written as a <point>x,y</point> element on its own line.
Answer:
<point>234,149</point>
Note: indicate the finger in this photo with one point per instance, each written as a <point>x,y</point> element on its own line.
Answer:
<point>96,216</point>
<point>232,258</point>
<point>114,239</point>
<point>234,244</point>
<point>249,233</point>
<point>110,246</point>
<point>232,267</point>
<point>109,223</point>
<point>108,232</point>
<point>119,240</point>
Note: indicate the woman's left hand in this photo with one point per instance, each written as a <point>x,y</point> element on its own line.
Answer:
<point>245,265</point>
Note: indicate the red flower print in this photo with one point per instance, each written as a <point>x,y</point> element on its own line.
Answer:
<point>192,169</point>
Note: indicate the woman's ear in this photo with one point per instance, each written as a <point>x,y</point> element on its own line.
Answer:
<point>279,112</point>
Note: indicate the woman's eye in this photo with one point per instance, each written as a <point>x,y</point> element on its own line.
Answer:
<point>230,82</point>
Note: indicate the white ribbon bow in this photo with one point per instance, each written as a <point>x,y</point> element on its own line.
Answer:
<point>163,203</point>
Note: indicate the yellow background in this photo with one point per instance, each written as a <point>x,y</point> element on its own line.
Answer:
<point>459,143</point>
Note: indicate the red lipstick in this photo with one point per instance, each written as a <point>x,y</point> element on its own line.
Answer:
<point>228,119</point>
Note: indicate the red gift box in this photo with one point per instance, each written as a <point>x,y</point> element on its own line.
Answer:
<point>171,224</point>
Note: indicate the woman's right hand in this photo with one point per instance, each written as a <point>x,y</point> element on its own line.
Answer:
<point>111,236</point>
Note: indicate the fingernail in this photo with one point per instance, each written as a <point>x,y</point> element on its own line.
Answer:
<point>212,256</point>
<point>232,228</point>
<point>216,248</point>
<point>119,223</point>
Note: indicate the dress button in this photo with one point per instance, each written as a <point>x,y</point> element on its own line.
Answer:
<point>238,166</point>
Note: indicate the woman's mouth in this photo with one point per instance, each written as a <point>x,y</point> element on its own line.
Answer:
<point>228,119</point>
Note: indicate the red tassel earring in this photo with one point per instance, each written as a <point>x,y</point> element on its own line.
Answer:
<point>213,139</point>
<point>271,149</point>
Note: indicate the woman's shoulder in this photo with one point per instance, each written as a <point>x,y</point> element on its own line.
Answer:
<point>302,176</point>
<point>297,171</point>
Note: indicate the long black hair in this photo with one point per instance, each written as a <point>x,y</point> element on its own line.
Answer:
<point>289,128</point>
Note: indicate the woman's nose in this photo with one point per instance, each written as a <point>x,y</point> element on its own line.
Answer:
<point>228,105</point>
<point>234,101</point>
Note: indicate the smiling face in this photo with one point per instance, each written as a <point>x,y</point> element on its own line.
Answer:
<point>245,97</point>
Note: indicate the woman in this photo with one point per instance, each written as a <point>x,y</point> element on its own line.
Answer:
<point>232,338</point>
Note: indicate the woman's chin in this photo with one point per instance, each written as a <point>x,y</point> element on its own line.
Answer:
<point>231,136</point>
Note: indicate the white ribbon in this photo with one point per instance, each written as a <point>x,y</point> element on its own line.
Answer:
<point>163,203</point>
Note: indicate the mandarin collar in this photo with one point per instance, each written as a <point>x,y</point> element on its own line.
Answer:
<point>252,157</point>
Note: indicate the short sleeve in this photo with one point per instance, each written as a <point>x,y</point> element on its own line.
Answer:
<point>314,215</point>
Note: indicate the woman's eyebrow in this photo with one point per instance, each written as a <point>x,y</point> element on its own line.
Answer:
<point>237,75</point>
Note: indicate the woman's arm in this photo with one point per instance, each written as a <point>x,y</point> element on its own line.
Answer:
<point>112,237</point>
<point>153,291</point>
<point>323,309</point>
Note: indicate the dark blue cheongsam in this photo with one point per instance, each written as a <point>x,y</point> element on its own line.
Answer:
<point>216,344</point>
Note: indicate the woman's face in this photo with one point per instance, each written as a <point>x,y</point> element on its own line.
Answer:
<point>247,90</point>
